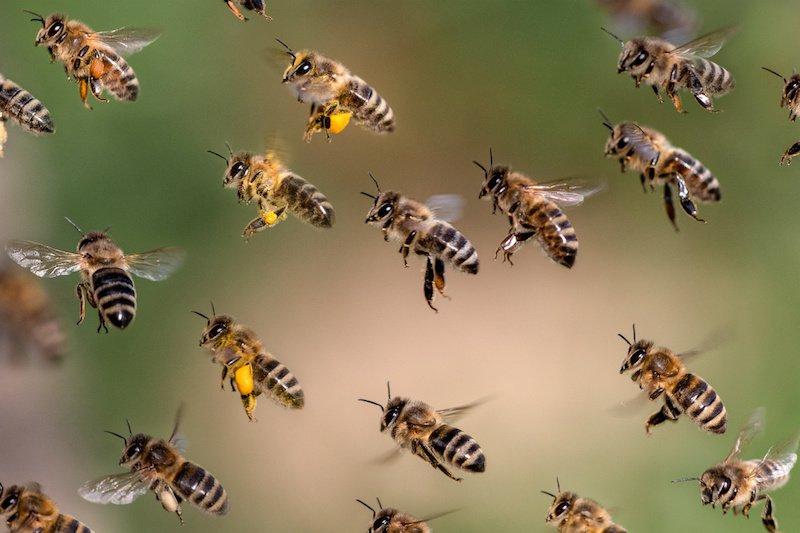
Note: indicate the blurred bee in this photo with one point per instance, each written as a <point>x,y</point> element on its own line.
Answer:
<point>663,17</point>
<point>790,153</point>
<point>660,64</point>
<point>27,317</point>
<point>94,58</point>
<point>277,190</point>
<point>790,99</point>
<point>158,465</point>
<point>388,520</point>
<point>106,281</point>
<point>738,484</point>
<point>533,211</point>
<point>335,95</point>
<point>650,153</point>
<point>259,6</point>
<point>28,509</point>
<point>570,513</point>
<point>417,426</point>
<point>659,371</point>
<point>20,106</point>
<point>425,229</point>
<point>250,368</point>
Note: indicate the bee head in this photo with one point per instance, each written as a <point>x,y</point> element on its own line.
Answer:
<point>381,518</point>
<point>53,29</point>
<point>384,205</point>
<point>216,327</point>
<point>494,178</point>
<point>9,499</point>
<point>562,503</point>
<point>301,64</point>
<point>636,352</point>
<point>635,57</point>
<point>133,449</point>
<point>394,406</point>
<point>792,88</point>
<point>714,483</point>
<point>237,166</point>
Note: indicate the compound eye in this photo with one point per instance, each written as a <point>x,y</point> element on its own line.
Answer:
<point>217,330</point>
<point>641,58</point>
<point>303,69</point>
<point>385,209</point>
<point>54,30</point>
<point>562,508</point>
<point>133,451</point>
<point>380,523</point>
<point>494,182</point>
<point>726,485</point>
<point>636,357</point>
<point>238,168</point>
<point>391,415</point>
<point>8,503</point>
<point>623,142</point>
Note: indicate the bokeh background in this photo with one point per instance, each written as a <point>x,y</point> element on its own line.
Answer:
<point>524,77</point>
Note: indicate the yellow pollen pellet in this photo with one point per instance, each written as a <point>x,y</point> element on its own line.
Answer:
<point>339,121</point>
<point>269,217</point>
<point>244,380</point>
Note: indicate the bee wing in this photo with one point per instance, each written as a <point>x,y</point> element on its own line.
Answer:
<point>447,207</point>
<point>453,413</point>
<point>127,41</point>
<point>430,517</point>
<point>388,457</point>
<point>752,428</point>
<point>43,260</point>
<point>706,45</point>
<point>568,192</point>
<point>119,489</point>
<point>630,406</point>
<point>155,265</point>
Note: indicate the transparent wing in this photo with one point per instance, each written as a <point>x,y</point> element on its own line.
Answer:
<point>43,260</point>
<point>155,265</point>
<point>629,407</point>
<point>706,45</point>
<point>119,489</point>
<point>127,41</point>
<point>430,517</point>
<point>752,428</point>
<point>453,413</point>
<point>783,457</point>
<point>568,192</point>
<point>447,207</point>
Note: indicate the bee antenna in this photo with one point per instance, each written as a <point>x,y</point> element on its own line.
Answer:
<point>117,435</point>
<point>368,195</point>
<point>388,390</point>
<point>375,181</point>
<point>370,401</point>
<point>634,332</point>
<point>178,418</point>
<point>198,313</point>
<point>549,494</point>
<point>485,172</point>
<point>621,336</point>
<point>108,228</point>
<point>129,426</point>
<point>614,36</point>
<point>558,484</point>
<point>379,502</point>
<point>213,310</point>
<point>74,225</point>
<point>38,18</point>
<point>229,147</point>
<point>606,120</point>
<point>289,50</point>
<point>770,70</point>
<point>218,155</point>
<point>491,158</point>
<point>368,507</point>
<point>683,479</point>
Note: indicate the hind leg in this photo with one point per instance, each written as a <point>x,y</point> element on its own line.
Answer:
<point>438,276</point>
<point>767,515</point>
<point>790,153</point>
<point>513,242</point>
<point>686,201</point>
<point>406,246</point>
<point>669,206</point>
<point>667,412</point>
<point>421,450</point>
<point>235,10</point>
<point>427,285</point>
<point>266,219</point>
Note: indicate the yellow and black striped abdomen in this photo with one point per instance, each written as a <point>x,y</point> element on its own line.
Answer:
<point>196,485</point>
<point>700,402</point>
<point>279,383</point>
<point>368,107</point>
<point>20,105</point>
<point>118,76</point>
<point>442,240</point>
<point>305,201</point>
<point>114,295</point>
<point>457,448</point>
<point>715,79</point>
<point>553,229</point>
<point>68,524</point>
<point>702,184</point>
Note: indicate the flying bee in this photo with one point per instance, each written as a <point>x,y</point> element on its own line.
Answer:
<point>277,190</point>
<point>533,211</point>
<point>650,153</point>
<point>663,65</point>
<point>29,509</point>
<point>20,106</point>
<point>259,6</point>
<point>27,317</point>
<point>94,58</point>
<point>106,281</point>
<point>158,465</point>
<point>658,371</point>
<point>790,99</point>
<point>663,17</point>
<point>335,94</point>
<point>569,513</point>
<point>389,520</point>
<point>790,153</point>
<point>418,427</point>
<point>425,229</point>
<point>250,369</point>
<point>736,484</point>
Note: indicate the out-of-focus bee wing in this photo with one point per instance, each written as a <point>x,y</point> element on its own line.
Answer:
<point>752,428</point>
<point>43,260</point>
<point>453,413</point>
<point>119,489</point>
<point>568,192</point>
<point>706,45</point>
<point>630,406</point>
<point>127,41</point>
<point>430,517</point>
<point>155,265</point>
<point>388,457</point>
<point>447,207</point>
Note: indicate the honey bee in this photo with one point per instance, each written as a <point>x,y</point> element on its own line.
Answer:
<point>658,371</point>
<point>259,6</point>
<point>533,211</point>
<point>388,520</point>
<point>277,190</point>
<point>158,465</point>
<point>663,17</point>
<point>790,99</point>
<point>20,106</point>
<point>336,95</point>
<point>417,426</point>
<point>569,513</point>
<point>28,509</point>
<point>790,153</point>
<point>251,370</point>
<point>27,318</point>
<point>661,64</point>
<point>736,484</point>
<point>425,229</point>
<point>106,281</point>
<point>650,153</point>
<point>94,58</point>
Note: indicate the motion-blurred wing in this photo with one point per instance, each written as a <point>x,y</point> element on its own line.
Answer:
<point>127,41</point>
<point>751,429</point>
<point>447,207</point>
<point>452,413</point>
<point>568,192</point>
<point>630,406</point>
<point>43,260</point>
<point>119,489</point>
<point>706,45</point>
<point>782,457</point>
<point>155,265</point>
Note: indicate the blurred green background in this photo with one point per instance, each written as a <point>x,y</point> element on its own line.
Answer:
<point>338,308</point>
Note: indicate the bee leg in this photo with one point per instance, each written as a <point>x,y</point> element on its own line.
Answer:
<point>97,89</point>
<point>642,179</point>
<point>791,152</point>
<point>83,89</point>
<point>80,291</point>
<point>767,517</point>
<point>427,286</point>
<point>404,249</point>
<point>686,200</point>
<point>235,10</point>
<point>102,324</point>
<point>658,94</point>
<point>434,462</point>
<point>670,207</point>
<point>315,122</point>
<point>656,393</point>
<point>438,276</point>
<point>224,375</point>
<point>668,412</point>
<point>233,385</point>
<point>249,403</point>
<point>623,164</point>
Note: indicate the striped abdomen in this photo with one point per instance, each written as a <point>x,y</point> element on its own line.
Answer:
<point>715,79</point>
<point>118,76</point>
<point>201,488</point>
<point>20,105</point>
<point>442,240</point>
<point>702,184</point>
<point>553,229</point>
<point>368,106</point>
<point>305,201</point>
<point>774,473</point>
<point>68,524</point>
<point>279,382</point>
<point>700,402</point>
<point>114,295</point>
<point>457,448</point>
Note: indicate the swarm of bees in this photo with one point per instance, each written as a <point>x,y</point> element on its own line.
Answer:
<point>535,210</point>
